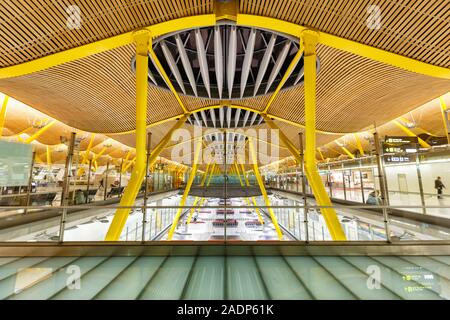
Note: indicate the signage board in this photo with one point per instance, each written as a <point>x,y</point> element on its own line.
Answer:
<point>399,158</point>
<point>15,162</point>
<point>400,144</point>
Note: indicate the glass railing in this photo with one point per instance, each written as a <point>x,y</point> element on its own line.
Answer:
<point>214,219</point>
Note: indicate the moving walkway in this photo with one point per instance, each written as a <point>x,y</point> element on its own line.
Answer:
<point>226,277</point>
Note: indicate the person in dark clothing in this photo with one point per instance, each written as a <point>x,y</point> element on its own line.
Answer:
<point>438,185</point>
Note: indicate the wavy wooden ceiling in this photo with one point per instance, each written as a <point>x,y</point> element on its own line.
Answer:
<point>353,92</point>
<point>418,29</point>
<point>35,28</point>
<point>96,94</point>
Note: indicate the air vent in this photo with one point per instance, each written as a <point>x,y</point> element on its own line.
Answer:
<point>225,62</point>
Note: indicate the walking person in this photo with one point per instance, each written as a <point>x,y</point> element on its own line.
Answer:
<point>438,185</point>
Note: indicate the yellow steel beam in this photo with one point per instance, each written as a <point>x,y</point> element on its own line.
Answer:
<point>320,153</point>
<point>346,151</point>
<point>422,130</point>
<point>100,46</point>
<point>39,159</point>
<point>445,118</point>
<point>213,171</point>
<point>21,132</point>
<point>236,169</point>
<point>309,39</point>
<point>359,145</point>
<point>98,155</point>
<point>286,75</point>
<point>40,132</point>
<point>125,160</point>
<point>199,21</point>
<point>263,188</point>
<point>202,183</point>
<point>226,10</point>
<point>163,73</point>
<point>142,40</point>
<point>406,130</point>
<point>3,113</point>
<point>86,155</point>
<point>299,125</point>
<point>353,47</point>
<point>247,183</point>
<point>127,166</point>
<point>88,149</point>
<point>122,214</point>
<point>49,156</point>
<point>186,190</point>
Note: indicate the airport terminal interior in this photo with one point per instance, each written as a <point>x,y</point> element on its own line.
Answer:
<point>225,149</point>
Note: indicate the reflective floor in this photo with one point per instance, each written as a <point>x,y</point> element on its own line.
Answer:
<point>395,199</point>
<point>231,277</point>
<point>243,224</point>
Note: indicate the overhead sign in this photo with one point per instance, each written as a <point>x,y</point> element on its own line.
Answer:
<point>398,158</point>
<point>400,144</point>
<point>401,139</point>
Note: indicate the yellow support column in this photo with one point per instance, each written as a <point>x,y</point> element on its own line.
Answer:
<point>263,188</point>
<point>213,170</point>
<point>411,134</point>
<point>310,39</point>
<point>186,190</point>
<point>358,143</point>
<point>124,168</point>
<point>40,132</point>
<point>346,151</point>
<point>142,39</point>
<point>320,153</point>
<point>445,116</point>
<point>98,155</point>
<point>122,214</point>
<point>202,183</point>
<point>247,183</point>
<point>86,155</point>
<point>88,149</point>
<point>3,114</point>
<point>49,158</point>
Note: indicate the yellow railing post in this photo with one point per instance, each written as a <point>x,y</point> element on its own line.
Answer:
<point>310,39</point>
<point>263,188</point>
<point>186,190</point>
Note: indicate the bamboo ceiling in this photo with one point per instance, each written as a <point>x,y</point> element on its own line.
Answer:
<point>97,94</point>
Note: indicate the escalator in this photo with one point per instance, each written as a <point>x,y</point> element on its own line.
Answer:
<point>226,277</point>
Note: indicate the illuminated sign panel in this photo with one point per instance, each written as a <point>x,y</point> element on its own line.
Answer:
<point>398,158</point>
<point>400,145</point>
<point>15,162</point>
